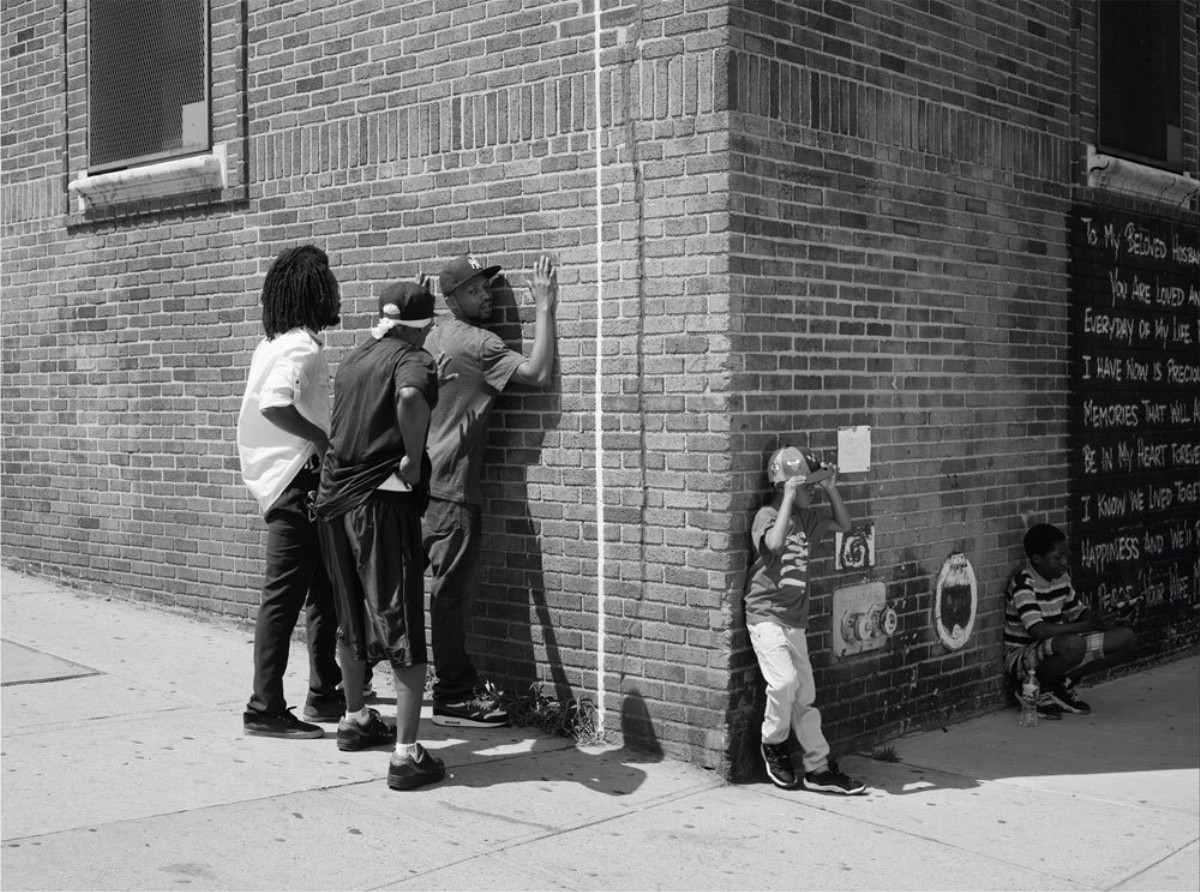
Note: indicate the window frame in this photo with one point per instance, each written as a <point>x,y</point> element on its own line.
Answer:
<point>220,176</point>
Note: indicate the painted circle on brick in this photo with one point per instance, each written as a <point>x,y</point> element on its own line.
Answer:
<point>955,601</point>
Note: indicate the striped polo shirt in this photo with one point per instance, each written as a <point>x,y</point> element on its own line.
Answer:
<point>1030,600</point>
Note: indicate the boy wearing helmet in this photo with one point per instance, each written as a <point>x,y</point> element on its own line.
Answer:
<point>783,533</point>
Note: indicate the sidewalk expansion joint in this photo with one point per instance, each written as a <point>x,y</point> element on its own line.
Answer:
<point>50,678</point>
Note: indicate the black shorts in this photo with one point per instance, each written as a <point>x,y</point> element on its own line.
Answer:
<point>376,563</point>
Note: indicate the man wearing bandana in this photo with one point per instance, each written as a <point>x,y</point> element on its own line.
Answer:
<point>477,367</point>
<point>373,487</point>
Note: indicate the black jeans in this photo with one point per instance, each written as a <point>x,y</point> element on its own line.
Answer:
<point>295,577</point>
<point>452,543</point>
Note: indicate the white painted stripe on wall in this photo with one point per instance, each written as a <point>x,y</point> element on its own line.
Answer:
<point>599,408</point>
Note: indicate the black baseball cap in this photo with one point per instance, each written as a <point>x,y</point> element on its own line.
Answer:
<point>461,270</point>
<point>407,304</point>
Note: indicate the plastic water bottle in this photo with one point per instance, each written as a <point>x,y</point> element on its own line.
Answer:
<point>1029,701</point>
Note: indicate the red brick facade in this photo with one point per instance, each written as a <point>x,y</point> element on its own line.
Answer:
<point>812,215</point>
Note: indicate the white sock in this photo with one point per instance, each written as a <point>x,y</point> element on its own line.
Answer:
<point>406,749</point>
<point>361,717</point>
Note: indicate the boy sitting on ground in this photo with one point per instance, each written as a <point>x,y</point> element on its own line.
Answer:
<point>1048,630</point>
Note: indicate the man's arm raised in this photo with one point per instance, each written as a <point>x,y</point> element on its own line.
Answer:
<point>536,370</point>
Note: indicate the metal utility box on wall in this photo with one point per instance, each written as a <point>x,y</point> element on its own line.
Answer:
<point>862,620</point>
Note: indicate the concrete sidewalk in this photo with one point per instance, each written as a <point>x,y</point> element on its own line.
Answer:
<point>124,767</point>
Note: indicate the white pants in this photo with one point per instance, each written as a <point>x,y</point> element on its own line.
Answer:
<point>782,653</point>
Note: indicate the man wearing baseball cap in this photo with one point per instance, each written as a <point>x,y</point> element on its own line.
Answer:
<point>373,487</point>
<point>476,367</point>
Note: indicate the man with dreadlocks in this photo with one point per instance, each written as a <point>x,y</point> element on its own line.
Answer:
<point>283,432</point>
<point>477,366</point>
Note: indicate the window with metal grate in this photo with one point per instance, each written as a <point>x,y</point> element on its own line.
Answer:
<point>148,81</point>
<point>1140,89</point>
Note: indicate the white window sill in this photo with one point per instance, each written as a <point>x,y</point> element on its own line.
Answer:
<point>1140,180</point>
<point>177,177</point>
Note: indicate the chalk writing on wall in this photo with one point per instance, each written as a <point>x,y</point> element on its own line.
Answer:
<point>1135,409</point>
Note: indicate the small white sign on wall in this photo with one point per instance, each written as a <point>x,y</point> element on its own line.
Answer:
<point>855,550</point>
<point>854,449</point>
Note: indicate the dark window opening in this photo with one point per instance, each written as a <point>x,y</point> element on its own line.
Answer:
<point>1140,104</point>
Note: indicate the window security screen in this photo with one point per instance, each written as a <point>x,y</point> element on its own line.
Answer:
<point>147,81</point>
<point>1140,81</point>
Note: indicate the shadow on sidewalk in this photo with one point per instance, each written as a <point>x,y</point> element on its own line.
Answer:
<point>485,757</point>
<point>1143,722</point>
<point>613,772</point>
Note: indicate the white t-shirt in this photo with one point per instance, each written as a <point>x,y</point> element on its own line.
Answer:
<point>287,371</point>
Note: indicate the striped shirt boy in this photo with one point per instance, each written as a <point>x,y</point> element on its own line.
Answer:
<point>1031,599</point>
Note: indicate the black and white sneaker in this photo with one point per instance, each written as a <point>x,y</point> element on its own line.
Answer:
<point>351,736</point>
<point>478,712</point>
<point>831,780</point>
<point>408,773</point>
<point>1047,708</point>
<point>285,725</point>
<point>778,763</point>
<point>325,709</point>
<point>1065,698</point>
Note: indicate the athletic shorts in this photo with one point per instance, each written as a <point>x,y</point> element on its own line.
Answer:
<point>376,563</point>
<point>1032,654</point>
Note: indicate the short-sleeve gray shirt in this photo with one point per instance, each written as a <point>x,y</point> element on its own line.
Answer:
<point>459,425</point>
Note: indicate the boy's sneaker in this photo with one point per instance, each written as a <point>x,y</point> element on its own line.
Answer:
<point>779,764</point>
<point>407,773</point>
<point>478,712</point>
<point>1067,700</point>
<point>285,725</point>
<point>1047,708</point>
<point>352,736</point>
<point>831,780</point>
<point>325,709</point>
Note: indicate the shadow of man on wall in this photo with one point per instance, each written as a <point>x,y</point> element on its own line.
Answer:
<point>514,635</point>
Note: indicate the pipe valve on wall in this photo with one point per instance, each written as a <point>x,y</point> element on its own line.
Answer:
<point>862,619</point>
<point>878,620</point>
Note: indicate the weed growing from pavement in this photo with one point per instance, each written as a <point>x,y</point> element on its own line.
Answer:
<point>886,754</point>
<point>574,718</point>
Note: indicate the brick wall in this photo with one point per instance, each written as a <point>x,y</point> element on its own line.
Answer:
<point>901,184</point>
<point>813,216</point>
<point>396,136</point>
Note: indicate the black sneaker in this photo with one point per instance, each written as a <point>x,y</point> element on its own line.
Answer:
<point>779,764</point>
<point>1048,709</point>
<point>352,736</point>
<point>407,773</point>
<point>478,712</point>
<point>286,725</point>
<point>1066,699</point>
<point>325,709</point>
<point>831,780</point>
